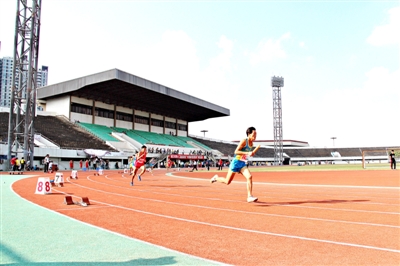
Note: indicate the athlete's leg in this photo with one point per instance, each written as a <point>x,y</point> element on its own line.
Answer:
<point>135,169</point>
<point>226,180</point>
<point>143,169</point>
<point>246,173</point>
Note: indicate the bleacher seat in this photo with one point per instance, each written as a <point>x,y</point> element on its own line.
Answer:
<point>103,132</point>
<point>60,131</point>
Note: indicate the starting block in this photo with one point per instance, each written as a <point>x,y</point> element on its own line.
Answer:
<point>16,173</point>
<point>59,180</point>
<point>68,200</point>
<point>74,174</point>
<point>84,201</point>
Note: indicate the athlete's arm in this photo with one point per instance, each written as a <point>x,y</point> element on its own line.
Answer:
<point>240,146</point>
<point>255,150</point>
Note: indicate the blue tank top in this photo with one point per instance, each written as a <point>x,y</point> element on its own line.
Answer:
<point>246,148</point>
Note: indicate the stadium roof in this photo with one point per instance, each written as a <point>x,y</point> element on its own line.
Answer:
<point>123,89</point>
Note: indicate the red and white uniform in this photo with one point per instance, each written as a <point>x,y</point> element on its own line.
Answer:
<point>140,159</point>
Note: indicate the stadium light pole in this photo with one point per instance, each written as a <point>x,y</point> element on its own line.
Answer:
<point>277,84</point>
<point>23,89</point>
<point>204,132</point>
<point>333,140</point>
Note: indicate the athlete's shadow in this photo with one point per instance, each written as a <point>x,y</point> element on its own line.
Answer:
<point>332,201</point>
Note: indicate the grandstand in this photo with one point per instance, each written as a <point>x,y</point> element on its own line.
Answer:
<point>59,131</point>
<point>66,135</point>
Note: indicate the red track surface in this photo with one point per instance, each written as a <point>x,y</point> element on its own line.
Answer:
<point>301,218</point>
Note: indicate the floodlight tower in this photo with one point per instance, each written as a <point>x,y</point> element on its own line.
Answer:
<point>23,88</point>
<point>277,84</point>
<point>333,139</point>
<point>204,132</point>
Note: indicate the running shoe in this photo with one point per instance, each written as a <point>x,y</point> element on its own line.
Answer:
<point>252,199</point>
<point>213,179</point>
<point>131,183</point>
<point>140,179</point>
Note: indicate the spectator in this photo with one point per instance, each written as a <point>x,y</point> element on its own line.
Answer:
<point>28,165</point>
<point>46,162</point>
<point>22,162</point>
<point>208,165</point>
<point>17,164</point>
<point>194,167</point>
<point>392,160</point>
<point>13,164</point>
<point>50,167</point>
<point>95,163</point>
<point>220,164</point>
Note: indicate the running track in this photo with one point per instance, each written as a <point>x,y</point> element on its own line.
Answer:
<point>301,218</point>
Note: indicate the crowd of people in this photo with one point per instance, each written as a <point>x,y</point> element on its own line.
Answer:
<point>177,151</point>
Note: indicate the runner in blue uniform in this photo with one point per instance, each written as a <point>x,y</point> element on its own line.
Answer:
<point>239,163</point>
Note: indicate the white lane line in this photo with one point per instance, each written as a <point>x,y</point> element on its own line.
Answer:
<point>269,204</point>
<point>240,211</point>
<point>292,185</point>
<point>255,231</point>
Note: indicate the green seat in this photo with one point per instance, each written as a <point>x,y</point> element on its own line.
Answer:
<point>102,132</point>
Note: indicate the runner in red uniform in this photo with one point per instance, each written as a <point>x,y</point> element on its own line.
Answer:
<point>140,163</point>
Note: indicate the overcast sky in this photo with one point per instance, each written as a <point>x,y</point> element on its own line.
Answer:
<point>340,60</point>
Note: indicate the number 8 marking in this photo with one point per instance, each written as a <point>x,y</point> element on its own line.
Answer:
<point>47,186</point>
<point>40,186</point>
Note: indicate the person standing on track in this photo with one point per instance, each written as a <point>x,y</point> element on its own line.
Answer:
<point>392,160</point>
<point>220,164</point>
<point>140,163</point>
<point>46,162</point>
<point>239,162</point>
<point>194,166</point>
<point>169,164</point>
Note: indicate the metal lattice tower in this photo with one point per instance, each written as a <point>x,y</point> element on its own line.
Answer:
<point>277,83</point>
<point>23,90</point>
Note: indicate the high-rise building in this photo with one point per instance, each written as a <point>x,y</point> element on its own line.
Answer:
<point>42,77</point>
<point>6,69</point>
<point>6,72</point>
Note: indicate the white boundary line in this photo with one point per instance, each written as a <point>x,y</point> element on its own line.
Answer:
<point>112,232</point>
